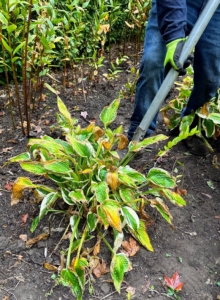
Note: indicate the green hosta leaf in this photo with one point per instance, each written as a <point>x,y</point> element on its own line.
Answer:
<point>126,180</point>
<point>109,113</point>
<point>186,121</point>
<point>65,195</point>
<point>79,266</point>
<point>81,148</point>
<point>74,222</point>
<point>21,157</point>
<point>215,117</point>
<point>119,265</point>
<point>101,191</point>
<point>92,221</point>
<point>209,127</point>
<point>161,178</point>
<point>71,278</point>
<point>57,166</point>
<point>34,167</point>
<point>141,235</point>
<point>128,196</point>
<point>34,224</point>
<point>135,147</point>
<point>63,110</point>
<point>67,147</point>
<point>111,210</point>
<point>173,197</point>
<point>46,204</point>
<point>3,19</point>
<point>51,146</point>
<point>57,179</point>
<point>131,217</point>
<point>135,175</point>
<point>78,196</point>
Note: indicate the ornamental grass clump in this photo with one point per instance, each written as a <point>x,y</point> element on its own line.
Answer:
<point>101,192</point>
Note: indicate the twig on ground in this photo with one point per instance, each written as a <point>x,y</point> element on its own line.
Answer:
<point>112,293</point>
<point>7,291</point>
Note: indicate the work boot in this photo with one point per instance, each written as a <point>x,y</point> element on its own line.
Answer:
<point>196,146</point>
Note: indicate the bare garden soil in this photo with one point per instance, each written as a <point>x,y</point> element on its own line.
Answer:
<point>191,248</point>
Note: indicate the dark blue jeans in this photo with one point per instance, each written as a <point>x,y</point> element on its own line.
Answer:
<point>206,65</point>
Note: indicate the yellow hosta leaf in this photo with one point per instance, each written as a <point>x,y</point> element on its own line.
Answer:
<point>112,179</point>
<point>166,118</point>
<point>17,190</point>
<point>106,144</point>
<point>50,267</point>
<point>204,110</point>
<point>142,236</point>
<point>123,142</point>
<point>111,210</point>
<point>86,171</point>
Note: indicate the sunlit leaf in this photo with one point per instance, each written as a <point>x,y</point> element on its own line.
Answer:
<point>131,217</point>
<point>161,178</point>
<point>141,235</point>
<point>111,210</point>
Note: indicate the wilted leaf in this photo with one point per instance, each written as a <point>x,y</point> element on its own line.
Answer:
<point>111,210</point>
<point>131,247</point>
<point>50,267</point>
<point>112,179</point>
<point>100,269</point>
<point>181,192</point>
<point>123,142</point>
<point>8,186</point>
<point>31,242</point>
<point>24,219</point>
<point>174,282</point>
<point>6,150</point>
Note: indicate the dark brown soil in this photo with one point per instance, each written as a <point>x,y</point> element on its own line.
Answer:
<point>192,248</point>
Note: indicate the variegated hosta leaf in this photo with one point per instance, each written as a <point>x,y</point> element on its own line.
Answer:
<point>135,147</point>
<point>78,196</point>
<point>47,203</point>
<point>85,133</point>
<point>128,196</point>
<point>21,157</point>
<point>111,209</point>
<point>66,146</point>
<point>118,130</point>
<point>66,197</point>
<point>109,113</point>
<point>83,149</point>
<point>101,191</point>
<point>133,174</point>
<point>50,145</point>
<point>119,265</point>
<point>126,180</point>
<point>57,166</point>
<point>118,239</point>
<point>63,110</point>
<point>71,278</point>
<point>173,197</point>
<point>112,179</point>
<point>17,190</point>
<point>161,178</point>
<point>141,235</point>
<point>34,167</point>
<point>102,217</point>
<point>209,127</point>
<point>131,217</point>
<point>79,266</point>
<point>215,117</point>
<point>186,121</point>
<point>163,209</point>
<point>92,221</point>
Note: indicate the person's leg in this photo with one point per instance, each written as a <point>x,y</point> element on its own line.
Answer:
<point>206,59</point>
<point>151,74</point>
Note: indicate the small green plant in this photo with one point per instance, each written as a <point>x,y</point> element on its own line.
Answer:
<point>99,190</point>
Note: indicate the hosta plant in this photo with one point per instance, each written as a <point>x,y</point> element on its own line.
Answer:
<point>99,190</point>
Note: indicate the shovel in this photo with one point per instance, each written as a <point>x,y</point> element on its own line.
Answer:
<point>189,45</point>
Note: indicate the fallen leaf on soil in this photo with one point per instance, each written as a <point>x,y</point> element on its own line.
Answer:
<point>131,291</point>
<point>145,286</point>
<point>96,249</point>
<point>191,233</point>
<point>31,242</point>
<point>5,298</point>
<point>131,247</point>
<point>2,113</point>
<point>174,282</point>
<point>24,219</point>
<point>181,192</point>
<point>46,122</point>
<point>23,237</point>
<point>93,262</point>
<point>6,150</point>
<point>50,267</point>
<point>218,297</point>
<point>0,131</point>
<point>100,269</point>
<point>84,114</point>
<point>37,129</point>
<point>67,236</point>
<point>8,186</point>
<point>12,141</point>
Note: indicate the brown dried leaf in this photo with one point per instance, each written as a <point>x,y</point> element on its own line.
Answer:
<point>96,249</point>
<point>12,141</point>
<point>123,142</point>
<point>131,291</point>
<point>131,247</point>
<point>93,262</point>
<point>24,219</point>
<point>31,242</point>
<point>6,150</point>
<point>181,192</point>
<point>50,267</point>
<point>100,269</point>
<point>112,179</point>
<point>5,298</point>
<point>2,113</point>
<point>8,186</point>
